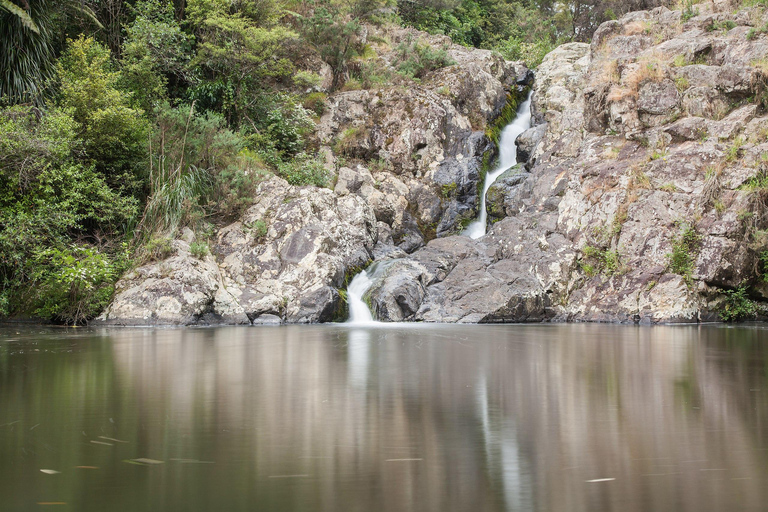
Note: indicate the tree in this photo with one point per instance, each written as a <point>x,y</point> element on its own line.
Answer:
<point>26,46</point>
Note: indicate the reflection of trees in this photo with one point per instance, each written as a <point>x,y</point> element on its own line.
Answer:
<point>503,418</point>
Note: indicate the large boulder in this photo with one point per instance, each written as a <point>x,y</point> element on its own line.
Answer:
<point>283,260</point>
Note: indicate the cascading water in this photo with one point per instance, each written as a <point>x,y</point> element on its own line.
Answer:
<point>359,313</point>
<point>507,159</point>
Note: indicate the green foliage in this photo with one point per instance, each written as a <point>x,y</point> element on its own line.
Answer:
<point>156,53</point>
<point>199,250</point>
<point>259,229</point>
<point>685,248</point>
<point>25,74</point>
<point>315,102</point>
<point>448,190</point>
<point>74,284</point>
<point>597,260</point>
<point>113,134</point>
<point>236,63</point>
<point>737,305</point>
<point>305,169</point>
<point>48,200</point>
<point>415,59</point>
<point>335,35</point>
<point>721,25</point>
<point>732,153</point>
<point>155,249</point>
<point>689,11</point>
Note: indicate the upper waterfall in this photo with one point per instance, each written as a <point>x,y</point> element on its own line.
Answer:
<point>507,159</point>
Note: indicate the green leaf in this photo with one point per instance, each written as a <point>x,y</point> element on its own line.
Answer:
<point>25,18</point>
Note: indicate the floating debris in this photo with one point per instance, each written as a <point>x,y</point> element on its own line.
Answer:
<point>144,461</point>
<point>600,480</point>
<point>112,439</point>
<point>50,471</point>
<point>102,442</point>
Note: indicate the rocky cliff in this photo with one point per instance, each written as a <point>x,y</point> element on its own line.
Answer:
<point>408,159</point>
<point>642,197</point>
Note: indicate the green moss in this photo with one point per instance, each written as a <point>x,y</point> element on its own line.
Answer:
<point>341,313</point>
<point>353,271</point>
<point>507,114</point>
<point>448,190</point>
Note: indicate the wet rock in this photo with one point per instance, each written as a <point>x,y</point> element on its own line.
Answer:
<point>507,194</point>
<point>527,142</point>
<point>398,294</point>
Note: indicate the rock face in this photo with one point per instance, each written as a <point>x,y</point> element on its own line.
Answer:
<point>640,196</point>
<point>407,159</point>
<point>283,261</point>
<point>421,147</point>
<point>633,203</point>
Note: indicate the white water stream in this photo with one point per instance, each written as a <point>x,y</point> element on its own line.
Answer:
<point>507,159</point>
<point>359,313</point>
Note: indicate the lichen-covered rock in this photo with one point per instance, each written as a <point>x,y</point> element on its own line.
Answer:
<point>179,290</point>
<point>636,206</point>
<point>427,139</point>
<point>285,259</point>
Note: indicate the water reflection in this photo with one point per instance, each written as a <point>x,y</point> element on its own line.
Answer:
<point>443,418</point>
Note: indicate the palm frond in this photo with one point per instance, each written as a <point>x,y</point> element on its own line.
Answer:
<point>23,15</point>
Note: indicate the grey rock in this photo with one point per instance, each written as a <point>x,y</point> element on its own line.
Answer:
<point>399,293</point>
<point>527,142</point>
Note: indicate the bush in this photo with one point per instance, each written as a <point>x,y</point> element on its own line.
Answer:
<point>75,283</point>
<point>415,59</point>
<point>199,250</point>
<point>155,49</point>
<point>737,305</point>
<point>598,260</point>
<point>685,248</point>
<point>305,170</point>
<point>113,134</point>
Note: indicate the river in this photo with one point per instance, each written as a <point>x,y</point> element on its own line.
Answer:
<point>385,418</point>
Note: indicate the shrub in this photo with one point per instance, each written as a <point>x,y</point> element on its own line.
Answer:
<point>113,134</point>
<point>415,59</point>
<point>599,260</point>
<point>259,228</point>
<point>305,169</point>
<point>315,102</point>
<point>685,248</point>
<point>689,11</point>
<point>199,250</point>
<point>737,305</point>
<point>75,283</point>
<point>155,48</point>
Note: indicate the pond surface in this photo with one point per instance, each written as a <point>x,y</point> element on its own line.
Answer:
<point>404,418</point>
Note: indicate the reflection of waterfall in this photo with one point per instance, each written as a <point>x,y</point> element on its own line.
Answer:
<point>359,312</point>
<point>359,356</point>
<point>502,453</point>
<point>507,159</point>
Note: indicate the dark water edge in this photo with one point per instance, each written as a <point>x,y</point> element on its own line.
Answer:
<point>577,417</point>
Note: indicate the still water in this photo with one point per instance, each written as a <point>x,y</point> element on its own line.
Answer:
<point>405,418</point>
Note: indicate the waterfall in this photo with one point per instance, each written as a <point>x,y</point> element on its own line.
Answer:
<point>507,159</point>
<point>359,313</point>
